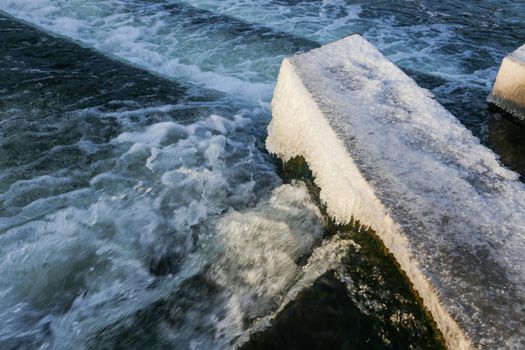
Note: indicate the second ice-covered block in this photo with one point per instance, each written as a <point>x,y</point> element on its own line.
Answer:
<point>384,152</point>
<point>508,92</point>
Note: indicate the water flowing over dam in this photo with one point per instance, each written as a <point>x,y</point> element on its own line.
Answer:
<point>139,206</point>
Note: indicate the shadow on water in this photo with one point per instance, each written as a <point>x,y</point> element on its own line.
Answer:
<point>322,317</point>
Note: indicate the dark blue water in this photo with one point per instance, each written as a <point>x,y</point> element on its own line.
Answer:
<point>138,206</point>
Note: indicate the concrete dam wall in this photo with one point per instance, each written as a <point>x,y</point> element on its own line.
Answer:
<point>508,92</point>
<point>385,153</point>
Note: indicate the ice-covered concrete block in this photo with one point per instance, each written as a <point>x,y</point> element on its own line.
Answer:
<point>508,92</point>
<point>384,152</point>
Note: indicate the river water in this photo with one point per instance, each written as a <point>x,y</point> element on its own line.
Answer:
<point>134,180</point>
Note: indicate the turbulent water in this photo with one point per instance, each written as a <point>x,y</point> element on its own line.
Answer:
<point>133,176</point>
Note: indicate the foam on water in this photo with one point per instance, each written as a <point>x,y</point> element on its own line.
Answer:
<point>321,21</point>
<point>125,198</point>
<point>114,205</point>
<point>453,50</point>
<point>171,39</point>
<point>166,208</point>
<point>436,43</point>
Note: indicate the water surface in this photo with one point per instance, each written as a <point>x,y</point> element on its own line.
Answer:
<point>137,200</point>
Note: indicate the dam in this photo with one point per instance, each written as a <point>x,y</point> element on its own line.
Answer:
<point>384,152</point>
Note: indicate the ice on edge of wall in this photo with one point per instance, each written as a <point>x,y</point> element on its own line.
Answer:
<point>384,152</point>
<point>508,92</point>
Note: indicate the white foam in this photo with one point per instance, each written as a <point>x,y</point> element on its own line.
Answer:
<point>22,189</point>
<point>101,275</point>
<point>261,247</point>
<point>167,183</point>
<point>414,46</point>
<point>318,20</point>
<point>76,263</point>
<point>385,153</point>
<point>161,39</point>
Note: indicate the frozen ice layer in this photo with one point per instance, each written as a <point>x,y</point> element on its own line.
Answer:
<point>508,92</point>
<point>385,153</point>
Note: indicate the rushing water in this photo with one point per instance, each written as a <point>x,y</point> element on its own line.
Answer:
<point>136,196</point>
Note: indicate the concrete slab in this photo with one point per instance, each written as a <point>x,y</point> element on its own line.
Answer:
<point>508,92</point>
<point>384,152</point>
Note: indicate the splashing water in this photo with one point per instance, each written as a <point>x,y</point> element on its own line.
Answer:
<point>138,206</point>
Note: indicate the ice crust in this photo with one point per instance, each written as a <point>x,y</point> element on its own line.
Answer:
<point>385,153</point>
<point>508,92</point>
